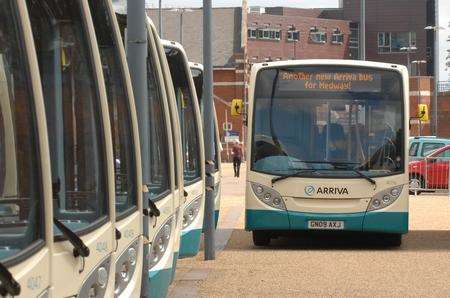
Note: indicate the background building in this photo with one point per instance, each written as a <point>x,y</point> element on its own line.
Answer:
<point>243,36</point>
<point>280,34</point>
<point>185,26</point>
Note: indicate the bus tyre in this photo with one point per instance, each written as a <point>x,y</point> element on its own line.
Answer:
<point>393,240</point>
<point>261,238</point>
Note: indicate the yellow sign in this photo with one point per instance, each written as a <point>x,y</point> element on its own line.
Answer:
<point>422,113</point>
<point>237,107</point>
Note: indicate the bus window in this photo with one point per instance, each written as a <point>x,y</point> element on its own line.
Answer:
<point>21,202</point>
<point>72,106</point>
<point>119,112</point>
<point>188,122</point>
<point>159,148</point>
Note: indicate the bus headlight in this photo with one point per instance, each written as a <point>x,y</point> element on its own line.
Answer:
<point>125,268</point>
<point>385,198</point>
<point>268,196</point>
<point>191,212</point>
<point>160,243</point>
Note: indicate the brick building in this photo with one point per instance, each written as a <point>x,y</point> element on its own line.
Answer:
<point>243,36</point>
<point>389,28</point>
<point>282,34</point>
<point>228,57</point>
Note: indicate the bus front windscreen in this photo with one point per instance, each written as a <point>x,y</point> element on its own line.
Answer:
<point>21,202</point>
<point>328,121</point>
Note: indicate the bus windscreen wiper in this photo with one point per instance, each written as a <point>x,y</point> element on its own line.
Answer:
<point>362,175</point>
<point>8,284</point>
<point>358,172</point>
<point>295,174</point>
<point>80,249</point>
<point>344,166</point>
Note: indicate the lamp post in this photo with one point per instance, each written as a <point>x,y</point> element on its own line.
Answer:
<point>408,51</point>
<point>363,30</point>
<point>418,62</point>
<point>434,122</point>
<point>181,11</point>
<point>160,18</point>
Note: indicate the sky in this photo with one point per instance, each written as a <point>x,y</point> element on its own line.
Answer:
<point>444,16</point>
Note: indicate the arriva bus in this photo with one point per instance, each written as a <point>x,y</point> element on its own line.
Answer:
<point>327,148</point>
<point>193,148</point>
<point>26,234</point>
<point>161,149</point>
<point>126,151</point>
<point>197,76</point>
<point>81,158</point>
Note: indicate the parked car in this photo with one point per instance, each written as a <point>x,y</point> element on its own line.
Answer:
<point>430,172</point>
<point>424,145</point>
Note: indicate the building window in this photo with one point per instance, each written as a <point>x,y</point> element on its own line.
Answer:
<point>354,41</point>
<point>317,36</point>
<point>392,42</point>
<point>252,33</point>
<point>337,37</point>
<point>292,34</point>
<point>260,33</point>
<point>269,34</point>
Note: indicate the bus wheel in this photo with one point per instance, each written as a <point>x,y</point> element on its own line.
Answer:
<point>261,238</point>
<point>393,240</point>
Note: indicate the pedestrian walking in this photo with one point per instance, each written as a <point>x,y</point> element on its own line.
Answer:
<point>237,158</point>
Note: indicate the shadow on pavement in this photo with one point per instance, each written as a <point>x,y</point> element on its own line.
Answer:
<point>413,241</point>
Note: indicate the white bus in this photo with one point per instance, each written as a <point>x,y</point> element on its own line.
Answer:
<point>327,148</point>
<point>81,157</point>
<point>193,148</point>
<point>197,76</point>
<point>26,234</point>
<point>126,151</point>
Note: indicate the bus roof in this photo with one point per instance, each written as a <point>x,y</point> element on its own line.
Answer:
<point>339,62</point>
<point>196,65</point>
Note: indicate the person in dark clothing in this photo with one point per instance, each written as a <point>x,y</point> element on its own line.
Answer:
<point>237,158</point>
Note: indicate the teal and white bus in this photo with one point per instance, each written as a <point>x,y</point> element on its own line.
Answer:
<point>327,145</point>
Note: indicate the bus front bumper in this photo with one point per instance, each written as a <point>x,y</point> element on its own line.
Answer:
<point>380,222</point>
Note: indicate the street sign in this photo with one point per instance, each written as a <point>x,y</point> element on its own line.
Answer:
<point>422,113</point>
<point>227,126</point>
<point>231,136</point>
<point>237,107</point>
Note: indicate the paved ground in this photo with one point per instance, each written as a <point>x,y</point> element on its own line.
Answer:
<point>330,266</point>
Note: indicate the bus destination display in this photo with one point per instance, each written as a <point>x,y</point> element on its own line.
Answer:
<point>357,81</point>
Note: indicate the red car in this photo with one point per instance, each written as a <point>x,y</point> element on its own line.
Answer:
<point>431,172</point>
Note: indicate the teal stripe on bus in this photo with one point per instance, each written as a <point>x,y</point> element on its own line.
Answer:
<point>381,222</point>
<point>266,220</point>
<point>190,243</point>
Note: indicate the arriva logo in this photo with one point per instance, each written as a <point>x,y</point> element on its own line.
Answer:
<point>310,190</point>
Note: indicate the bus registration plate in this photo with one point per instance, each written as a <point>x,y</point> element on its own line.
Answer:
<point>325,225</point>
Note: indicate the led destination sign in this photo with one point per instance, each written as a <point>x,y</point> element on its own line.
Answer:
<point>358,81</point>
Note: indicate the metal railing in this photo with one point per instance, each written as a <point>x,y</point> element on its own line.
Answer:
<point>429,174</point>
